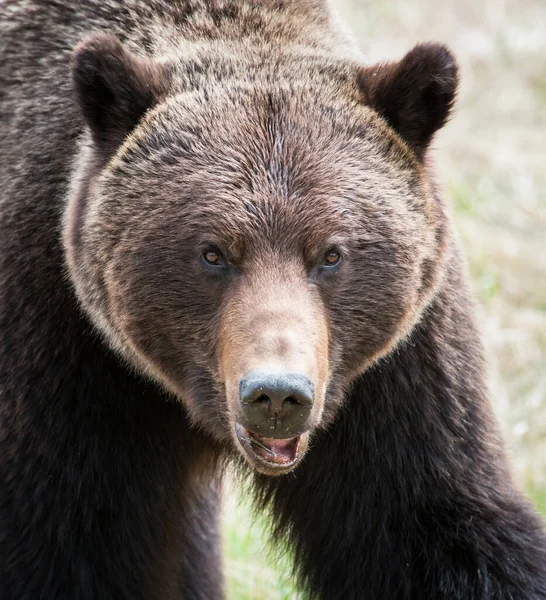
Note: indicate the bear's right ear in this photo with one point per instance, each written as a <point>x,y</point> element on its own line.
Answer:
<point>114,88</point>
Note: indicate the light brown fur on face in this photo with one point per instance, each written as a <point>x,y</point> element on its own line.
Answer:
<point>274,322</point>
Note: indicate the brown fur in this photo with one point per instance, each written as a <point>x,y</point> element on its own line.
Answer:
<point>139,135</point>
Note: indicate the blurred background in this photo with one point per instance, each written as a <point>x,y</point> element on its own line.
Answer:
<point>491,161</point>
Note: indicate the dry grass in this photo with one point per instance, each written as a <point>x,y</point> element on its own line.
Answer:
<point>491,160</point>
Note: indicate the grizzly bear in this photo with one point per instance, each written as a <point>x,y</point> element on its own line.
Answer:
<point>221,242</point>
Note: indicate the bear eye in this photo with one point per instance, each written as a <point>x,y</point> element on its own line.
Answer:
<point>331,258</point>
<point>213,257</point>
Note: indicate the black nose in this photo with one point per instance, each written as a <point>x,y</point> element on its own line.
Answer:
<point>276,404</point>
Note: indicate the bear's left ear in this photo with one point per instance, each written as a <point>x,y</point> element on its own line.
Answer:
<point>114,88</point>
<point>415,95</point>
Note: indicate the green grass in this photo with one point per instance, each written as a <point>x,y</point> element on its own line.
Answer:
<point>490,160</point>
<point>255,569</point>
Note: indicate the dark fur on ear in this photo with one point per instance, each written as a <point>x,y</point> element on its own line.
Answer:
<point>414,95</point>
<point>114,87</point>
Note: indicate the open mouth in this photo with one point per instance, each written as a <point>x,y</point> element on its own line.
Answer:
<point>271,455</point>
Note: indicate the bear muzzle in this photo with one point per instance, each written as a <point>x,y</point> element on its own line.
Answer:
<point>275,415</point>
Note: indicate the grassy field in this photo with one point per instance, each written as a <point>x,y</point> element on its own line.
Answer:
<point>492,163</point>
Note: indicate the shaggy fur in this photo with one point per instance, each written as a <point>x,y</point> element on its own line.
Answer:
<point>136,136</point>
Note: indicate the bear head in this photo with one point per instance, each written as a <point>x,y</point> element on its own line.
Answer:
<point>253,242</point>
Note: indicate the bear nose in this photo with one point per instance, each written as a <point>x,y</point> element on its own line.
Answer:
<point>276,404</point>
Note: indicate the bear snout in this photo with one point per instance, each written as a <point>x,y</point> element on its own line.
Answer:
<point>278,405</point>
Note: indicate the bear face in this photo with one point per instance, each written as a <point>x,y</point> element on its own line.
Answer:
<point>254,247</point>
